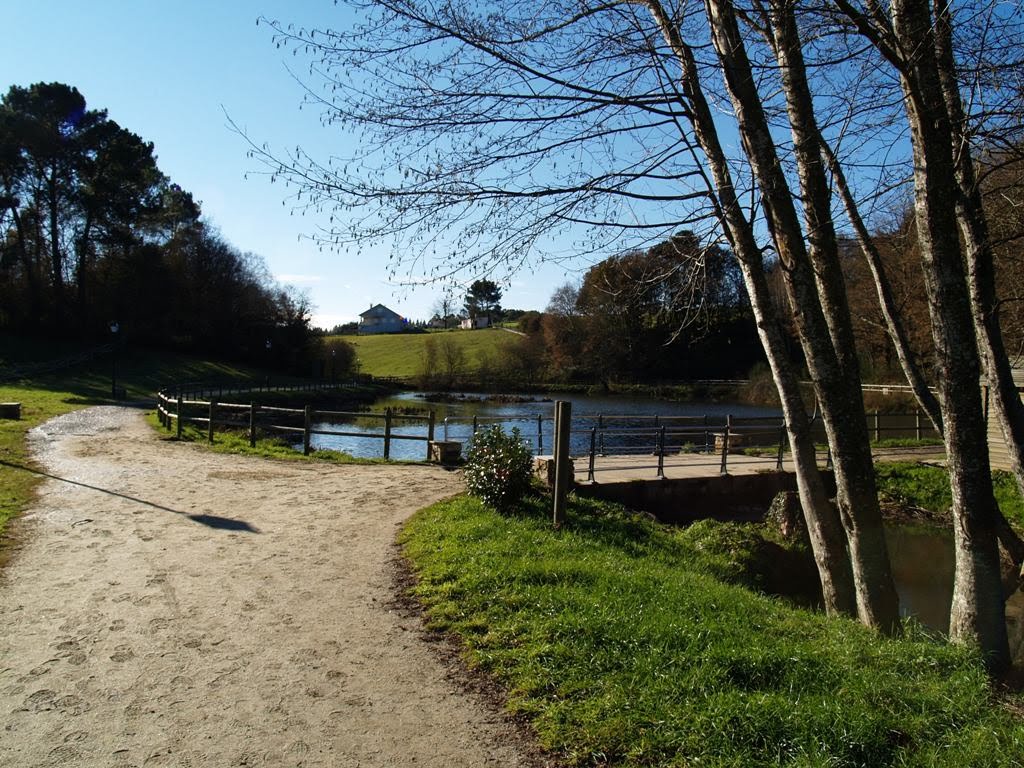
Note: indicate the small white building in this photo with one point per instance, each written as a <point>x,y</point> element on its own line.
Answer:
<point>380,319</point>
<point>472,323</point>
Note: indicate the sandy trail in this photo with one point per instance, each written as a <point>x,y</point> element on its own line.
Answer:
<point>173,607</point>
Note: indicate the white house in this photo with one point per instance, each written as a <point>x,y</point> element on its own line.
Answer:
<point>380,319</point>
<point>471,323</point>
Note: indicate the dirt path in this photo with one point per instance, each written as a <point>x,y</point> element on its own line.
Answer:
<point>173,607</point>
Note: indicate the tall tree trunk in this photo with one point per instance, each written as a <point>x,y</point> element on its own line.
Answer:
<point>56,256</point>
<point>893,322</point>
<point>82,275</point>
<point>823,523</point>
<point>977,614</point>
<point>1004,399</point>
<point>31,268</point>
<point>817,298</point>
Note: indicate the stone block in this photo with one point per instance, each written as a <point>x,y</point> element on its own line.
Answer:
<point>445,452</point>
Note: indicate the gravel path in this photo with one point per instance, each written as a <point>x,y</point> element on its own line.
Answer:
<point>168,606</point>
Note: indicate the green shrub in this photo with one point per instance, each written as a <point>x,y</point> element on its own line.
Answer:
<point>498,467</point>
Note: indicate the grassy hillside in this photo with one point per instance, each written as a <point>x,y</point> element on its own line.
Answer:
<point>402,354</point>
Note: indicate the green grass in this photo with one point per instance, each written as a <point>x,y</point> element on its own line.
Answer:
<point>616,639</point>
<point>907,442</point>
<point>927,487</point>
<point>37,406</point>
<point>237,442</point>
<point>402,354</point>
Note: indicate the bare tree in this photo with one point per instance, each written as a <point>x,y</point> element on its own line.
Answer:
<point>443,308</point>
<point>602,120</point>
<point>591,95</point>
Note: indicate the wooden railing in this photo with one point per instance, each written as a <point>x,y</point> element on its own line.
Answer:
<point>175,412</point>
<point>716,438</point>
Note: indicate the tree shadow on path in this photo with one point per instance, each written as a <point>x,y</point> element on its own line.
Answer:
<point>211,521</point>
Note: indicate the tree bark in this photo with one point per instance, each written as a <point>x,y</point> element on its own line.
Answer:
<point>817,297</point>
<point>823,523</point>
<point>977,614</point>
<point>1004,399</point>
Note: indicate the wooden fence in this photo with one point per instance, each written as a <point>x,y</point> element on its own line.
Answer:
<point>176,411</point>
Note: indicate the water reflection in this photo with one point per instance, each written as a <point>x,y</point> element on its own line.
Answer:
<point>923,563</point>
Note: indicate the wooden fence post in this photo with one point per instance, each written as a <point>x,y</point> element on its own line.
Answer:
<point>252,424</point>
<point>307,418</point>
<point>782,440</point>
<point>878,428</point>
<point>387,434</point>
<point>661,452</point>
<point>430,432</point>
<point>179,414</point>
<point>563,422</point>
<point>213,408</point>
<point>593,449</point>
<point>917,424</point>
<point>540,434</point>
<point>725,445</point>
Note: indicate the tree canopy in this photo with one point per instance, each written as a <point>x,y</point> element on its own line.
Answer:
<point>483,299</point>
<point>92,231</point>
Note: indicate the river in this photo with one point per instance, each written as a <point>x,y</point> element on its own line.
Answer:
<point>454,420</point>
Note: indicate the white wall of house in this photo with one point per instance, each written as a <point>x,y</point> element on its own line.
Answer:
<point>471,323</point>
<point>380,319</point>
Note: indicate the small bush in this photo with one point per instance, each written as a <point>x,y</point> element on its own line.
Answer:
<point>498,467</point>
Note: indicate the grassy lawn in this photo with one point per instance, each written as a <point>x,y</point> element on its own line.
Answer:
<point>402,354</point>
<point>621,643</point>
<point>266,447</point>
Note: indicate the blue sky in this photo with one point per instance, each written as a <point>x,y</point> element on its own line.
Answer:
<point>168,72</point>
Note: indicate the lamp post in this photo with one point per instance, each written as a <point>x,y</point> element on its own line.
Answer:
<point>114,328</point>
<point>268,345</point>
<point>334,364</point>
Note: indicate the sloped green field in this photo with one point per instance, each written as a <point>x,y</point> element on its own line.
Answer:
<point>402,355</point>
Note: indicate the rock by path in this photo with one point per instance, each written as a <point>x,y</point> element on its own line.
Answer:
<point>169,606</point>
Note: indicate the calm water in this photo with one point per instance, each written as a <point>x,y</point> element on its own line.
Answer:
<point>629,422</point>
<point>923,565</point>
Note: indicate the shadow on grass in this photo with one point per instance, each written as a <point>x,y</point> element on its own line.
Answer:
<point>211,521</point>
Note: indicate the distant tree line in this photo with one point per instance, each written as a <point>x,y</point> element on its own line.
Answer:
<point>677,310</point>
<point>92,233</point>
